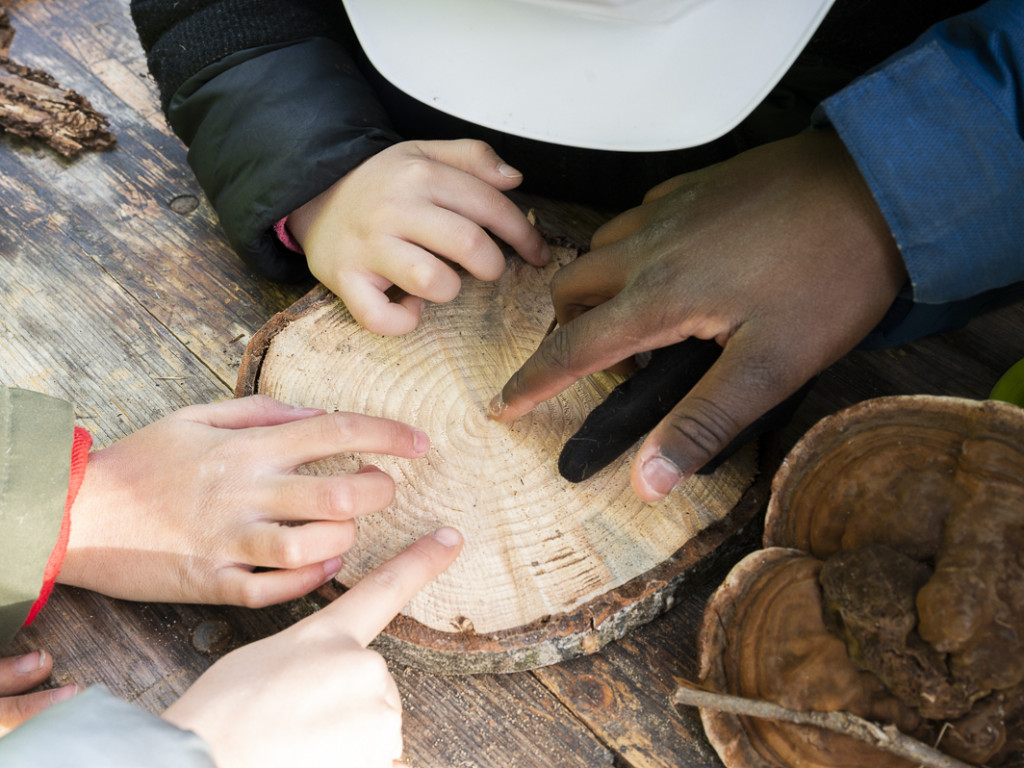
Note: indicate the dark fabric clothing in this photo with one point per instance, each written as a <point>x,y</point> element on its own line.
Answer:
<point>183,36</point>
<point>296,105</point>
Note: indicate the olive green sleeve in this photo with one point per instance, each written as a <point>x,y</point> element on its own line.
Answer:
<point>36,434</point>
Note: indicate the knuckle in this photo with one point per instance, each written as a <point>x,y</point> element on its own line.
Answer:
<point>287,551</point>
<point>340,428</point>
<point>386,578</point>
<point>701,432</point>
<point>556,352</point>
<point>251,595</point>
<point>471,240</point>
<point>417,169</point>
<point>335,498</point>
<point>477,150</point>
<point>371,672</point>
<point>373,319</point>
<point>432,280</point>
<point>560,283</point>
<point>377,668</point>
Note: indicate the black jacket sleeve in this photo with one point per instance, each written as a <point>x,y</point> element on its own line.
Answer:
<point>270,102</point>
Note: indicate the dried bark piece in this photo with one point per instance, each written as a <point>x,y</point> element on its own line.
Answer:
<point>6,33</point>
<point>34,106</point>
<point>550,569</point>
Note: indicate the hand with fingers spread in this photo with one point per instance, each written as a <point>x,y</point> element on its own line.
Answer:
<point>20,674</point>
<point>313,693</point>
<point>198,506</point>
<point>399,217</point>
<point>779,254</point>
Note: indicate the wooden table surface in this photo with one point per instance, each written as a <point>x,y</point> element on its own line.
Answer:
<point>120,294</point>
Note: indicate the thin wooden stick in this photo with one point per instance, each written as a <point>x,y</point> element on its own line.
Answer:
<point>887,738</point>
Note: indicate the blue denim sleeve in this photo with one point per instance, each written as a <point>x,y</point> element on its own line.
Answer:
<point>938,133</point>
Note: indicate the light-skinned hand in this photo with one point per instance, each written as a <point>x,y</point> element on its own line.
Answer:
<point>400,216</point>
<point>187,508</point>
<point>780,254</point>
<point>19,674</point>
<point>313,694</point>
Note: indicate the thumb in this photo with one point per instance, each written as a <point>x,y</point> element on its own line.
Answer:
<point>15,710</point>
<point>740,387</point>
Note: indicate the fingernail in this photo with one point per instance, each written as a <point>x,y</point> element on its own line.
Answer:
<point>508,171</point>
<point>30,662</point>
<point>448,536</point>
<point>545,254</point>
<point>420,442</point>
<point>61,694</point>
<point>497,407</point>
<point>309,411</point>
<point>332,566</point>
<point>661,475</point>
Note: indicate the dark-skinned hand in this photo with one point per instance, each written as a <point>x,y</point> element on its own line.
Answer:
<point>635,407</point>
<point>779,254</point>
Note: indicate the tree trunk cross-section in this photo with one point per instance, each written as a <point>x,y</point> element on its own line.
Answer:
<point>34,106</point>
<point>549,570</point>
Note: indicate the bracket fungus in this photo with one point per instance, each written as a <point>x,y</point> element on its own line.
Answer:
<point>891,587</point>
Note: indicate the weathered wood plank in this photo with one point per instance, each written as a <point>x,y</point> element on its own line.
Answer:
<point>505,721</point>
<point>624,693</point>
<point>139,209</point>
<point>70,330</point>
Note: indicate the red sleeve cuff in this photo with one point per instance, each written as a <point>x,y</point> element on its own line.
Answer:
<point>80,446</point>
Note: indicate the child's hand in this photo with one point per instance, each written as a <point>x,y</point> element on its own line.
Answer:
<point>393,219</point>
<point>187,508</point>
<point>314,690</point>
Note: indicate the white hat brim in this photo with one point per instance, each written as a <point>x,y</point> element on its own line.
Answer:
<point>547,74</point>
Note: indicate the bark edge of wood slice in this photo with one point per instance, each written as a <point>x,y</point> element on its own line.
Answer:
<point>440,378</point>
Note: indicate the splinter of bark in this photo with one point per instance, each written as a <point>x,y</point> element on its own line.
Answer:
<point>34,106</point>
<point>6,32</point>
<point>886,738</point>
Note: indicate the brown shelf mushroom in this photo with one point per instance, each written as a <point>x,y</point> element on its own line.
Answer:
<point>891,586</point>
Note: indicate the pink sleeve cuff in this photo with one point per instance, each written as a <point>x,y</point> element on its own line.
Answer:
<point>289,242</point>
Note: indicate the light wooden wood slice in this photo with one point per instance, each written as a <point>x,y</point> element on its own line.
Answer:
<point>549,570</point>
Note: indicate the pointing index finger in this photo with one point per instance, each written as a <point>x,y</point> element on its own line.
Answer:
<point>564,357</point>
<point>369,606</point>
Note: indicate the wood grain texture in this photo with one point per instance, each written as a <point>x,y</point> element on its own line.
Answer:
<point>550,569</point>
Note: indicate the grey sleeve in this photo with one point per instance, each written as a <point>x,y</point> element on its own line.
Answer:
<point>96,730</point>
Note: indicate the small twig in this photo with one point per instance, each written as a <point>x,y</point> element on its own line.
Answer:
<point>886,738</point>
